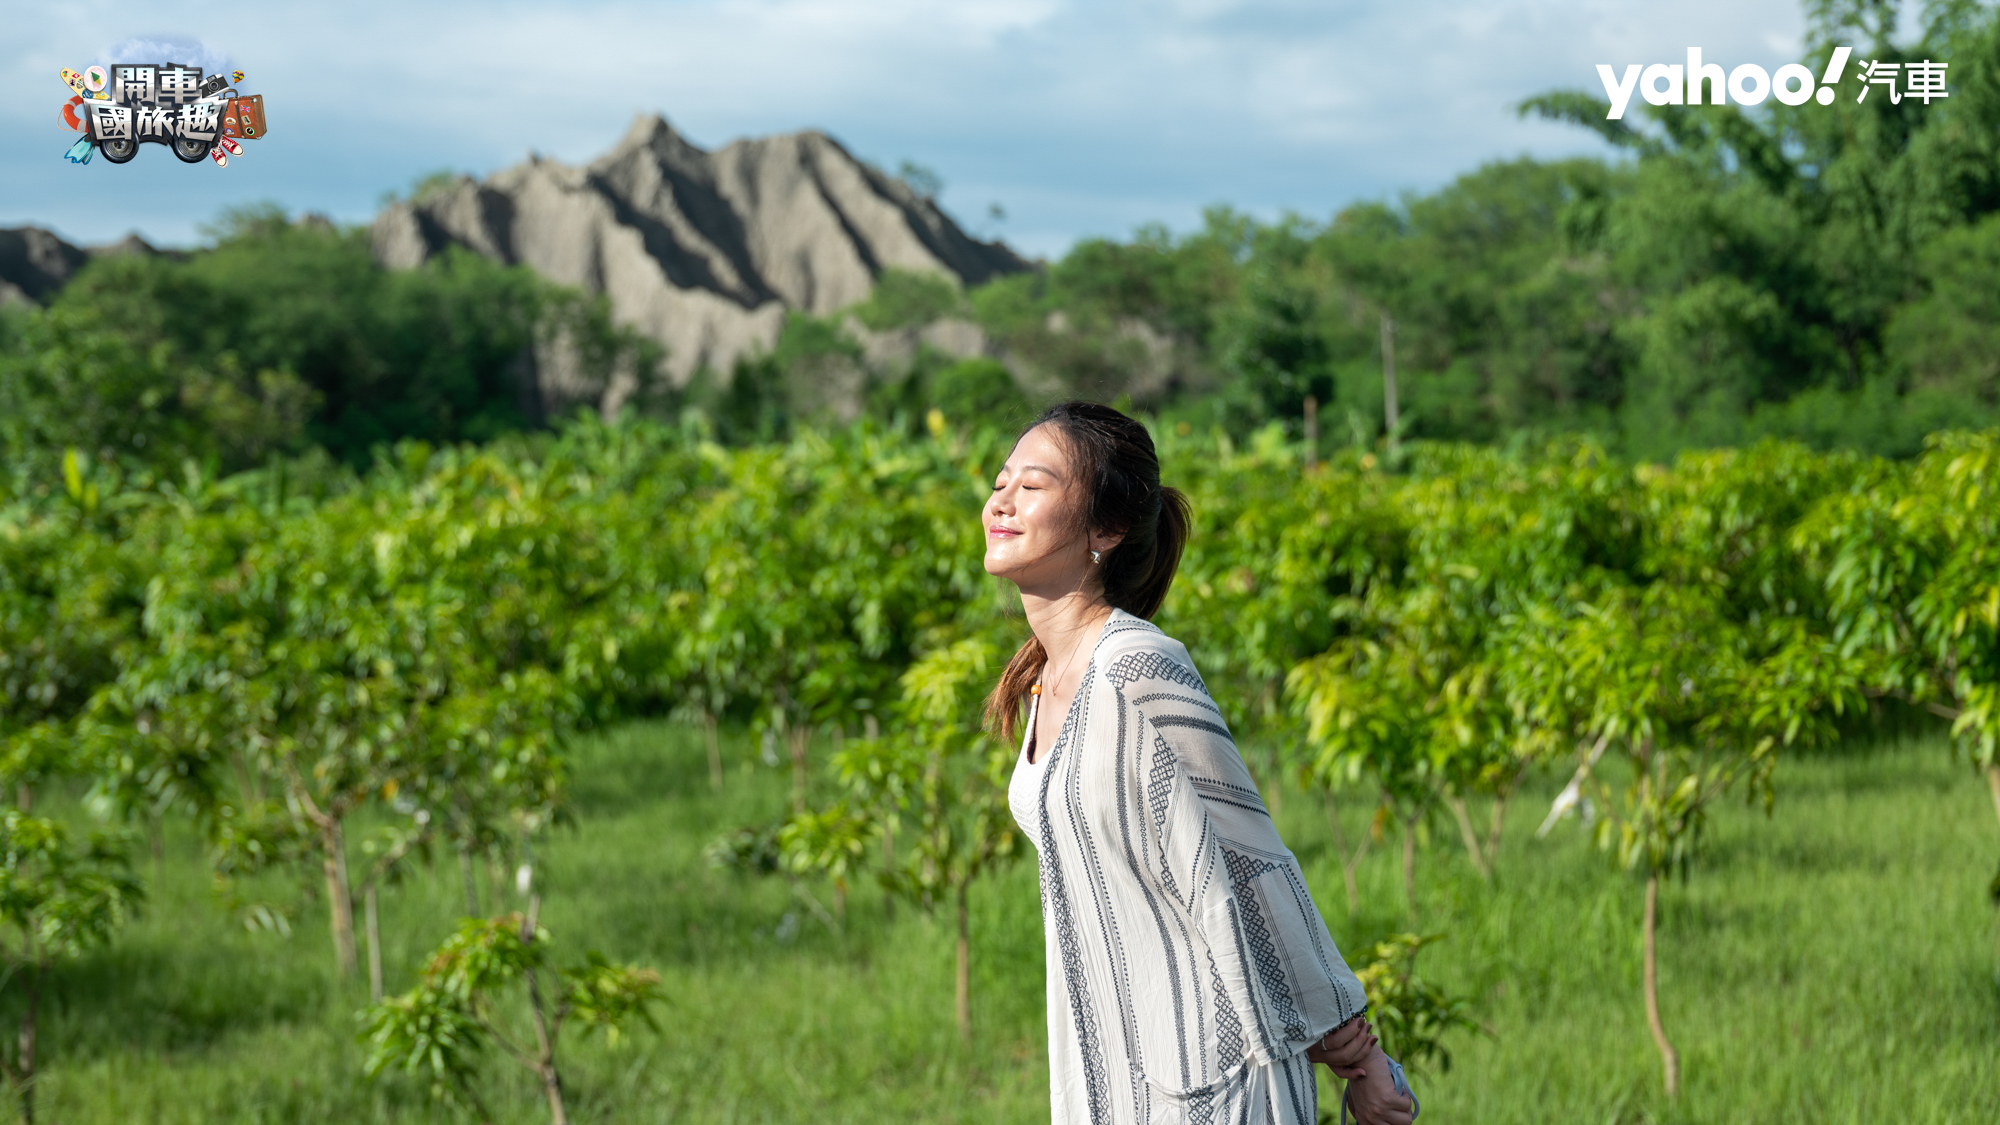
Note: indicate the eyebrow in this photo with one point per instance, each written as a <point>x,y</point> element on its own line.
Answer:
<point>1025,468</point>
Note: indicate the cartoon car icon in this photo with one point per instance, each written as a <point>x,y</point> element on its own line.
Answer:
<point>119,130</point>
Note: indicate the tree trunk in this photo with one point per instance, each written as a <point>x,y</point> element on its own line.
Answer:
<point>1312,432</point>
<point>496,876</point>
<point>471,881</point>
<point>1670,1060</point>
<point>714,740</point>
<point>373,922</point>
<point>889,861</point>
<point>797,737</point>
<point>545,1063</point>
<point>339,899</point>
<point>552,1086</point>
<point>964,996</point>
<point>1410,869</point>
<point>545,1029</point>
<point>1473,849</point>
<point>1495,829</point>
<point>1993,783</point>
<point>33,981</point>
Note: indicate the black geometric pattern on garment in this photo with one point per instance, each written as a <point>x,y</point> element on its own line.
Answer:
<point>1259,809</point>
<point>1177,697</point>
<point>1134,666</point>
<point>1228,789</point>
<point>1160,785</point>
<point>1229,794</point>
<point>1243,870</point>
<point>1097,1080</point>
<point>1228,1028</point>
<point>1184,721</point>
<point>1300,1086</point>
<point>1159,791</point>
<point>1135,1057</point>
<point>1201,1106</point>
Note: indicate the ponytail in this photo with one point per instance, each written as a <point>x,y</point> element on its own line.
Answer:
<point>1003,707</point>
<point>1139,570</point>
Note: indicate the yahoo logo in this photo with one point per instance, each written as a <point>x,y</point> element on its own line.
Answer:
<point>1750,84</point>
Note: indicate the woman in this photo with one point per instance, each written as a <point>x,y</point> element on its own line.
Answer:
<point>1190,977</point>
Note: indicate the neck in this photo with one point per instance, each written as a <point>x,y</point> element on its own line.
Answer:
<point>1064,621</point>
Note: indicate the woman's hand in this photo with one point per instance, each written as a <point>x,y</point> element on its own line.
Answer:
<point>1346,1049</point>
<point>1373,1098</point>
<point>1353,1052</point>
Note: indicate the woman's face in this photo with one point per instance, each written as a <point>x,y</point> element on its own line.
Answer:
<point>1032,537</point>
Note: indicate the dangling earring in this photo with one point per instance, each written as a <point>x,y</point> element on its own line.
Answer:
<point>1096,556</point>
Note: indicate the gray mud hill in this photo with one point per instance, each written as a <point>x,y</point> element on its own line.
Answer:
<point>704,252</point>
<point>34,263</point>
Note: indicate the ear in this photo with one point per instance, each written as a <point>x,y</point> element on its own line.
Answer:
<point>1102,541</point>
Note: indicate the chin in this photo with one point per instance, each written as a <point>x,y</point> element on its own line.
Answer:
<point>998,566</point>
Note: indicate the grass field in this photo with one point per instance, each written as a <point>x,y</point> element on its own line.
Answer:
<point>1834,963</point>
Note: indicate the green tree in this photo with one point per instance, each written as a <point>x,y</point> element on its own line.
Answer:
<point>68,616</point>
<point>1908,560</point>
<point>281,325</point>
<point>405,641</point>
<point>58,898</point>
<point>441,1027</point>
<point>939,771</point>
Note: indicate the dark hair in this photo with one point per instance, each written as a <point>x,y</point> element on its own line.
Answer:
<point>1111,456</point>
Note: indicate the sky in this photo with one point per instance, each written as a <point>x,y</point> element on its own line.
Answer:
<point>1079,118</point>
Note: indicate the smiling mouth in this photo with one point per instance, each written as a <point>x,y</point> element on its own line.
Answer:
<point>1003,532</point>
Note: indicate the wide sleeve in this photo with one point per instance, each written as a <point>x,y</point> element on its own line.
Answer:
<point>1216,852</point>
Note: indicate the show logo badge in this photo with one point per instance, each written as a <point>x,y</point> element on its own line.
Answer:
<point>119,107</point>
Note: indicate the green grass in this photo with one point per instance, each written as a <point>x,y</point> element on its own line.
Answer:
<point>1833,963</point>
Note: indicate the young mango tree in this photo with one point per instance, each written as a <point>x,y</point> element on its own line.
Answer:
<point>68,615</point>
<point>58,898</point>
<point>1267,554</point>
<point>1412,1015</point>
<point>935,770</point>
<point>398,644</point>
<point>511,638</point>
<point>1636,672</point>
<point>1371,709</point>
<point>442,1028</point>
<point>883,576</point>
<point>273,667</point>
<point>1910,561</point>
<point>1694,703</point>
<point>760,627</point>
<point>1407,693</point>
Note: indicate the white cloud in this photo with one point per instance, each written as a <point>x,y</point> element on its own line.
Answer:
<point>1080,116</point>
<point>182,49</point>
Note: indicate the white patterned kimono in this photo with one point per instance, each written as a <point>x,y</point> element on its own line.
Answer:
<point>1188,969</point>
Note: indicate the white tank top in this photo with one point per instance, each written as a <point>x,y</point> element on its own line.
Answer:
<point>1024,788</point>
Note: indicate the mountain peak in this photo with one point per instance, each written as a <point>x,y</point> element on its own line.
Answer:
<point>651,131</point>
<point>703,251</point>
